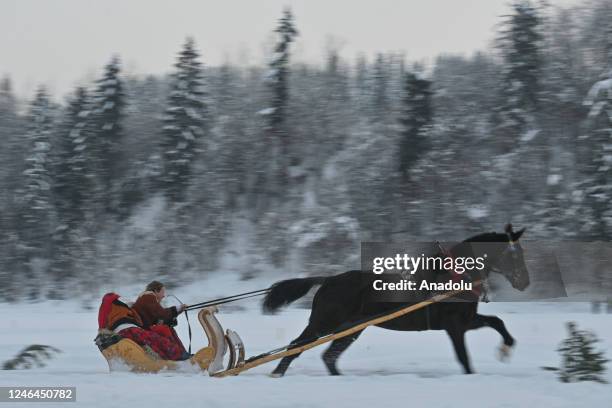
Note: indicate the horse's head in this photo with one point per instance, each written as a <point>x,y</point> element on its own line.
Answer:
<point>511,263</point>
<point>505,255</point>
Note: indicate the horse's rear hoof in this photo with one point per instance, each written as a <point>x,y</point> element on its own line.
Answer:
<point>276,375</point>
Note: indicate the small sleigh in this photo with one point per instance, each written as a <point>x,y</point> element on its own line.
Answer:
<point>122,353</point>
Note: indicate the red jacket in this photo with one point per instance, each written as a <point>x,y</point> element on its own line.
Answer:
<point>151,312</point>
<point>114,313</point>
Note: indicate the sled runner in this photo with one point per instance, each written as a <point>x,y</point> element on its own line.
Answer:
<point>122,353</point>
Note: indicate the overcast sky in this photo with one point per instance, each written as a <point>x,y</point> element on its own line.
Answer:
<point>61,43</point>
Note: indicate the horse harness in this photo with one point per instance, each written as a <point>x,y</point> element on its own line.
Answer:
<point>481,291</point>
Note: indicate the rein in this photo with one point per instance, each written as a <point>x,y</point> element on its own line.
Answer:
<point>215,302</point>
<point>228,299</point>
<point>219,301</point>
<point>188,324</point>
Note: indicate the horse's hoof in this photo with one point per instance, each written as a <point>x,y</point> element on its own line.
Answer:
<point>275,375</point>
<point>332,370</point>
<point>504,353</point>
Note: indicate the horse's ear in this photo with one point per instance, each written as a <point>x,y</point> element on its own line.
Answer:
<point>508,229</point>
<point>518,234</point>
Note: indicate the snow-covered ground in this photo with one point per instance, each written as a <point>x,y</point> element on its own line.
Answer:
<point>383,368</point>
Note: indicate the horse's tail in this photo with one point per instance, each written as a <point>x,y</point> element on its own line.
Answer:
<point>284,292</point>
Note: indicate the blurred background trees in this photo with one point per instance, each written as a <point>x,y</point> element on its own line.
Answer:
<point>290,166</point>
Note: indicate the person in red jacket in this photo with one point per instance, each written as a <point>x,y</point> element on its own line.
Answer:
<point>118,316</point>
<point>155,317</point>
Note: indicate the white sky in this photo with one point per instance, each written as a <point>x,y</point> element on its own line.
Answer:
<point>60,43</point>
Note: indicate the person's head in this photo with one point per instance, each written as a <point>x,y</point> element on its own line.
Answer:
<point>158,289</point>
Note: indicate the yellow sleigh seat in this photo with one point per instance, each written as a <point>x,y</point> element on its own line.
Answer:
<point>127,352</point>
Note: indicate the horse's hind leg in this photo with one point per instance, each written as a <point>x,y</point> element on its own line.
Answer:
<point>283,365</point>
<point>339,346</point>
<point>498,325</point>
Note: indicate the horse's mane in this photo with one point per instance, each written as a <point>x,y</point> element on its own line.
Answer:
<point>488,237</point>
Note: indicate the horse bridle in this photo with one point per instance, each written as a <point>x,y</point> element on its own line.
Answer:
<point>513,250</point>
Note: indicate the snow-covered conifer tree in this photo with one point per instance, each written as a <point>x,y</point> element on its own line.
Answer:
<point>11,157</point>
<point>595,145</point>
<point>109,112</point>
<point>580,360</point>
<point>277,79</point>
<point>520,45</point>
<point>74,173</point>
<point>35,195</point>
<point>598,183</point>
<point>185,123</point>
<point>73,187</point>
<point>416,116</point>
<point>380,90</point>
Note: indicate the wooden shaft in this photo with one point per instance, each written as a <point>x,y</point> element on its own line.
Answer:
<point>343,333</point>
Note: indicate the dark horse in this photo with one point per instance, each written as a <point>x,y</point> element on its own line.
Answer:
<point>349,297</point>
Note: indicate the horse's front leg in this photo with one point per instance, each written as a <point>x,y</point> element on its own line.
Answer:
<point>498,325</point>
<point>457,336</point>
